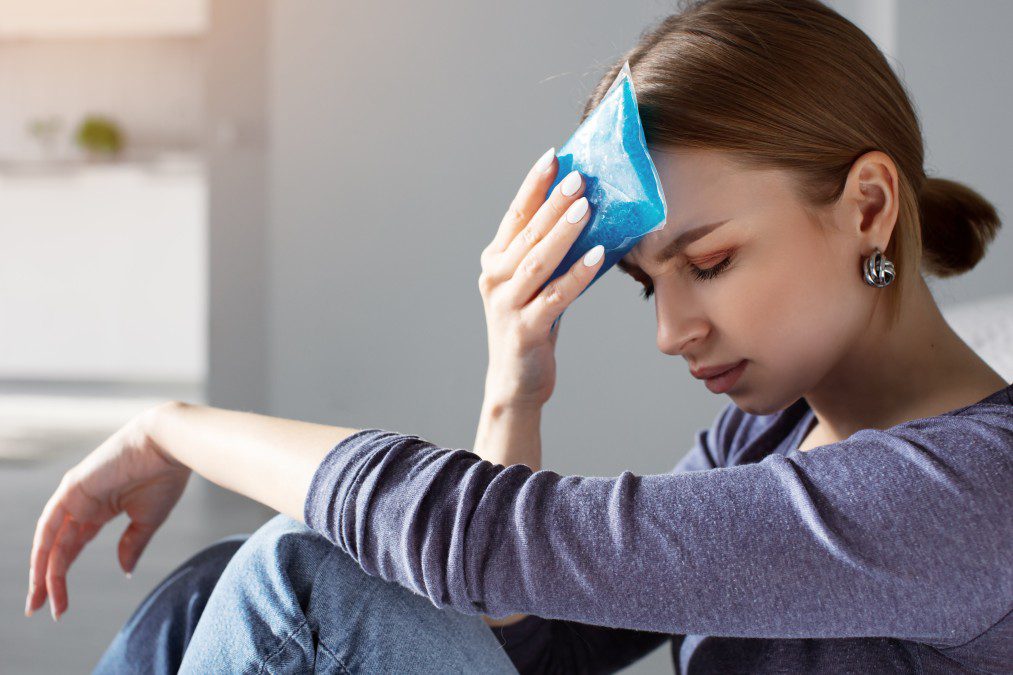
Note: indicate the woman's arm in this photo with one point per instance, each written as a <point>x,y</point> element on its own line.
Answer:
<point>143,468</point>
<point>888,533</point>
<point>509,433</point>
<point>268,459</point>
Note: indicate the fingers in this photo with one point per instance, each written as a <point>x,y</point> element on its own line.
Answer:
<point>554,298</point>
<point>70,539</point>
<point>545,256</point>
<point>569,190</point>
<point>46,529</point>
<point>69,520</point>
<point>525,203</point>
<point>132,544</point>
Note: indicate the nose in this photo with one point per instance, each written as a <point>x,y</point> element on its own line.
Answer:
<point>681,326</point>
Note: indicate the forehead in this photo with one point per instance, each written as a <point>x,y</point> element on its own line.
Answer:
<point>703,186</point>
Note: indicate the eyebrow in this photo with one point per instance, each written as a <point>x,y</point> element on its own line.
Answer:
<point>674,247</point>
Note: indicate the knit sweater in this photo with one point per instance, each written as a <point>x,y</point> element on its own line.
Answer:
<point>889,551</point>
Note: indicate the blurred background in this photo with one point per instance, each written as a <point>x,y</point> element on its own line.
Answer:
<point>279,206</point>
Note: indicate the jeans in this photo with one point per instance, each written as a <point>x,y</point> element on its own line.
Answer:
<point>286,600</point>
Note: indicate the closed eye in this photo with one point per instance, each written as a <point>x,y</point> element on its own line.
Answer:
<point>710,272</point>
<point>701,274</point>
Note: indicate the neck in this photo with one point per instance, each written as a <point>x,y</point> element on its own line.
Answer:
<point>916,368</point>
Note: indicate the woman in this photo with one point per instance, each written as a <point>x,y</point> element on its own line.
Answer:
<point>849,511</point>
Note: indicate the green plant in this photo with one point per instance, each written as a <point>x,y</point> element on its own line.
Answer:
<point>99,135</point>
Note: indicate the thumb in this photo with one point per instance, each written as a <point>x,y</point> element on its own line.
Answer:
<point>133,542</point>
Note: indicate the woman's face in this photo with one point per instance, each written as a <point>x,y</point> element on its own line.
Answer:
<point>787,297</point>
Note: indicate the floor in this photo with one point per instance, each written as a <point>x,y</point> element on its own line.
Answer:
<point>44,431</point>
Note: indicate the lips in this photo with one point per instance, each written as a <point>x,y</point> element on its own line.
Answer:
<point>711,371</point>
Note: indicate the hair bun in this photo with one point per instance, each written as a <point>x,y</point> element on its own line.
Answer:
<point>957,225</point>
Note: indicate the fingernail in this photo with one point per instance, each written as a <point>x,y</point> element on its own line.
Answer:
<point>570,183</point>
<point>594,255</point>
<point>545,161</point>
<point>129,575</point>
<point>28,606</point>
<point>52,610</point>
<point>576,210</point>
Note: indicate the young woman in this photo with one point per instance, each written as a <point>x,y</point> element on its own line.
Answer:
<point>848,511</point>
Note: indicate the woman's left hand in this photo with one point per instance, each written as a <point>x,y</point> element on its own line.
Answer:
<point>128,472</point>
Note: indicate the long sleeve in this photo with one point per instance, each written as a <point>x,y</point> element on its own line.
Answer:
<point>538,646</point>
<point>902,533</point>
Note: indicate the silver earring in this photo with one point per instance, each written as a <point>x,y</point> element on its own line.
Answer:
<point>877,270</point>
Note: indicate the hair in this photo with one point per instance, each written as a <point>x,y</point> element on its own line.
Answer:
<point>792,84</point>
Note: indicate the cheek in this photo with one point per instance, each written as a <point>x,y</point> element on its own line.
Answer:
<point>791,308</point>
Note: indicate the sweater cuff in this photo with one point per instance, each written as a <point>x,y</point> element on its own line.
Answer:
<point>333,478</point>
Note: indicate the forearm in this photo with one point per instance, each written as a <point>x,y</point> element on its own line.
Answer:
<point>268,459</point>
<point>509,434</point>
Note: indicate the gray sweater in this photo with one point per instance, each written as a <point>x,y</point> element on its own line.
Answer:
<point>890,551</point>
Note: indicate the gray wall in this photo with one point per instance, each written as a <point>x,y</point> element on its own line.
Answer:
<point>954,58</point>
<point>387,171</point>
<point>236,141</point>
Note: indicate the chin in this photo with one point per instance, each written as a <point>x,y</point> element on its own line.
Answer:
<point>757,405</point>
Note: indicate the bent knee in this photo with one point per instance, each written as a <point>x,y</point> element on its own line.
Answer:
<point>282,544</point>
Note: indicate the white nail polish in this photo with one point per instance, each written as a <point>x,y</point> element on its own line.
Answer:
<point>576,210</point>
<point>570,184</point>
<point>592,257</point>
<point>545,161</point>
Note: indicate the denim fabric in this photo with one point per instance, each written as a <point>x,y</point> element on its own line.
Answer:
<point>156,635</point>
<point>286,600</point>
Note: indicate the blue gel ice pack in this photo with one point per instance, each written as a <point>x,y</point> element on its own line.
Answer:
<point>622,187</point>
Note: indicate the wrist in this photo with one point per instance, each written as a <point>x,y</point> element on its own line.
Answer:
<point>509,433</point>
<point>497,407</point>
<point>507,386</point>
<point>149,424</point>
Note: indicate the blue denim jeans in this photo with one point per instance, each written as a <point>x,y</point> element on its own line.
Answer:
<point>286,600</point>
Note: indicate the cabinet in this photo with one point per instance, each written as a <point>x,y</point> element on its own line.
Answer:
<point>103,272</point>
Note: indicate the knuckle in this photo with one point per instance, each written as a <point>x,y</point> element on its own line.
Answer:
<point>485,283</point>
<point>554,297</point>
<point>530,235</point>
<point>491,268</point>
<point>498,304</point>
<point>486,257</point>
<point>515,215</point>
<point>532,265</point>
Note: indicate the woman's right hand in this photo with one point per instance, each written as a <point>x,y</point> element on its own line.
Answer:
<point>533,237</point>
<point>128,473</point>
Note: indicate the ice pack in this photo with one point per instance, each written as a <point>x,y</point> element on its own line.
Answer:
<point>622,187</point>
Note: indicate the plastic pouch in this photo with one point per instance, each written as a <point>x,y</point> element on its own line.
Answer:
<point>622,187</point>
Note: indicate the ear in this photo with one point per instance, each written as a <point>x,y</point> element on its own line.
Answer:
<point>870,200</point>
